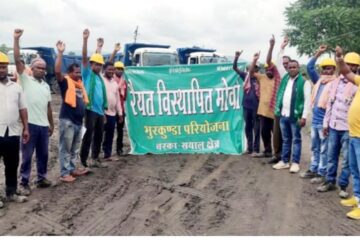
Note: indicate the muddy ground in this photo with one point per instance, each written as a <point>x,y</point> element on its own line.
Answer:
<point>178,195</point>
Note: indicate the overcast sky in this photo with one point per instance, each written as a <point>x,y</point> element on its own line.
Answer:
<point>225,25</point>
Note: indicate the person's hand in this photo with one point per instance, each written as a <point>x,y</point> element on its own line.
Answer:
<point>18,33</point>
<point>238,53</point>
<point>25,136</point>
<point>121,118</point>
<point>339,52</point>
<point>326,131</point>
<point>60,45</point>
<point>256,56</point>
<point>100,42</point>
<point>51,130</point>
<point>272,40</point>
<point>86,34</point>
<point>117,47</point>
<point>285,42</point>
<point>302,122</point>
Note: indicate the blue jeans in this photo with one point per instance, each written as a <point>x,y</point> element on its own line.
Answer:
<point>319,146</point>
<point>338,140</point>
<point>39,142</point>
<point>291,134</point>
<point>354,162</point>
<point>69,145</point>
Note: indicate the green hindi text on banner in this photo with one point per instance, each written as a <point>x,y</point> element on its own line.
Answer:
<point>184,109</point>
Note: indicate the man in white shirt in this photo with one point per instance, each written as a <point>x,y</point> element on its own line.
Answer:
<point>292,105</point>
<point>12,108</point>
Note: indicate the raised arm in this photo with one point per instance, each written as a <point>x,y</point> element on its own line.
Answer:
<point>58,63</point>
<point>235,67</point>
<point>343,67</point>
<point>280,56</point>
<point>271,49</point>
<point>253,64</point>
<point>311,65</point>
<point>99,45</point>
<point>86,34</point>
<point>113,54</point>
<point>20,67</point>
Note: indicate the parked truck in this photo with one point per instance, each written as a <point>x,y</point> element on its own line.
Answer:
<point>197,55</point>
<point>142,54</point>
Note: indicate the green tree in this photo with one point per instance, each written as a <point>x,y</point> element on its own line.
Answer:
<point>333,22</point>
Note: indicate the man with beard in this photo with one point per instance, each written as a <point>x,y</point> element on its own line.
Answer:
<point>292,105</point>
<point>319,99</point>
<point>95,109</point>
<point>71,116</point>
<point>265,111</point>
<point>41,124</point>
<point>12,108</point>
<point>336,127</point>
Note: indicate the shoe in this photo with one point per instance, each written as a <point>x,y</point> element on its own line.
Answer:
<point>67,178</point>
<point>97,164</point>
<point>24,190</point>
<point>267,155</point>
<point>326,187</point>
<point>351,202</point>
<point>257,155</point>
<point>308,174</point>
<point>354,214</point>
<point>295,168</point>
<point>44,183</point>
<point>79,172</point>
<point>273,160</point>
<point>318,180</point>
<point>245,153</point>
<point>17,198</point>
<point>1,204</point>
<point>108,159</point>
<point>343,193</point>
<point>281,165</point>
<point>120,153</point>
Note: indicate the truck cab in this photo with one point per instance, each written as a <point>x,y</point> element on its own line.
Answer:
<point>197,55</point>
<point>141,55</point>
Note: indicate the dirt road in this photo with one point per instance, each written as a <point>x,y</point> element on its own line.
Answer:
<point>179,195</point>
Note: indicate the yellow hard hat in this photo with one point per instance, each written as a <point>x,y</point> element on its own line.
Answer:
<point>328,62</point>
<point>98,58</point>
<point>352,58</point>
<point>4,58</point>
<point>119,64</point>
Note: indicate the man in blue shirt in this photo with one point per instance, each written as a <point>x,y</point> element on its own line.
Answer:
<point>94,114</point>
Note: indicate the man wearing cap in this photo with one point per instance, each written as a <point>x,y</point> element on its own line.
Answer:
<point>320,96</point>
<point>95,109</point>
<point>41,124</point>
<point>341,94</point>
<point>71,116</point>
<point>354,133</point>
<point>12,108</point>
<point>118,76</point>
<point>250,105</point>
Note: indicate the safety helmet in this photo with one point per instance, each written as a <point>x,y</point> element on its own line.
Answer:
<point>328,62</point>
<point>97,58</point>
<point>352,58</point>
<point>119,64</point>
<point>4,58</point>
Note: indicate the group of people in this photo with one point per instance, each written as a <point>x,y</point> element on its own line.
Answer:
<point>276,106</point>
<point>94,92</point>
